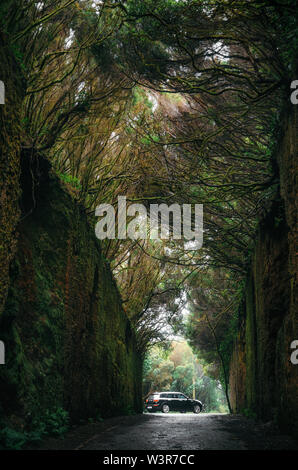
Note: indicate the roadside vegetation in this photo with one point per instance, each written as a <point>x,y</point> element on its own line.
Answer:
<point>178,369</point>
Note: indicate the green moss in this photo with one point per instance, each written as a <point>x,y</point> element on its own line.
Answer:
<point>251,348</point>
<point>261,353</point>
<point>10,132</point>
<point>63,323</point>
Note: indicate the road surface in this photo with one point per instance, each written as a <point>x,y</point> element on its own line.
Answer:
<point>174,431</point>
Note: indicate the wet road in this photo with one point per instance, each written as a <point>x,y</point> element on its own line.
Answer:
<point>177,431</point>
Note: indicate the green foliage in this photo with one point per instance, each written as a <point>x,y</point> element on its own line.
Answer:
<point>227,341</point>
<point>11,439</point>
<point>149,139</point>
<point>140,99</point>
<point>179,370</point>
<point>102,53</point>
<point>19,56</point>
<point>249,413</point>
<point>52,423</point>
<point>97,419</point>
<point>71,180</point>
<point>287,24</point>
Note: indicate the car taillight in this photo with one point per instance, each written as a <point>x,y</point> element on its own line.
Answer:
<point>147,400</point>
<point>155,401</point>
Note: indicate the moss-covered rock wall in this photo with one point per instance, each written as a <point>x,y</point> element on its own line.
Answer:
<point>10,131</point>
<point>68,341</point>
<point>263,379</point>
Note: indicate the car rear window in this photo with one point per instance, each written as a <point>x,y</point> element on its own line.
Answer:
<point>164,395</point>
<point>153,397</point>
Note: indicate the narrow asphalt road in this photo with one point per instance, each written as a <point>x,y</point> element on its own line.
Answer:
<point>175,431</point>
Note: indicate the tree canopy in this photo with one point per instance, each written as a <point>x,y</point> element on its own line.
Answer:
<point>164,101</point>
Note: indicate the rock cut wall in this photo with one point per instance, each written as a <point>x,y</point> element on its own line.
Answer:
<point>263,379</point>
<point>68,341</point>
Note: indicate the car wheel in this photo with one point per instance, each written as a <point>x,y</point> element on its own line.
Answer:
<point>165,408</point>
<point>196,409</point>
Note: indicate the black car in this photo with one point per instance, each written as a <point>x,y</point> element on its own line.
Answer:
<point>172,401</point>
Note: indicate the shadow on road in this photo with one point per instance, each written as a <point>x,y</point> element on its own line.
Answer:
<point>174,431</point>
